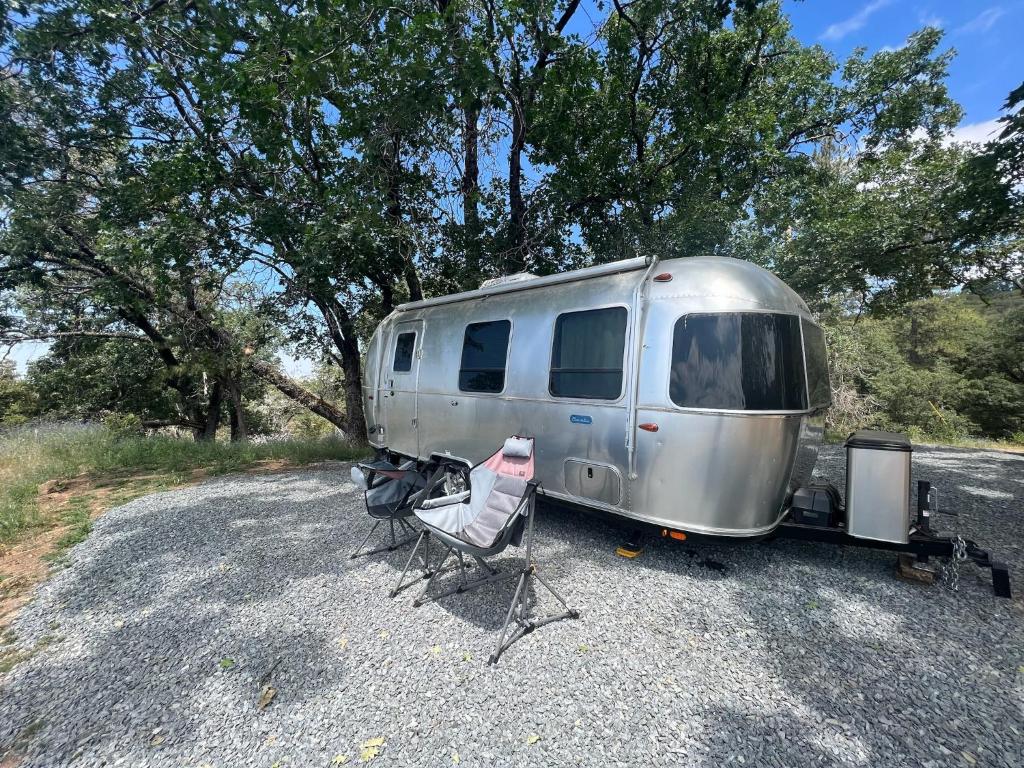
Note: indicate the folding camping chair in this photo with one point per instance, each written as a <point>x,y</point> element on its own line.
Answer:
<point>496,511</point>
<point>389,492</point>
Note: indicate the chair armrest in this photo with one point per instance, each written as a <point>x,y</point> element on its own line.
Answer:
<point>435,479</point>
<point>441,501</point>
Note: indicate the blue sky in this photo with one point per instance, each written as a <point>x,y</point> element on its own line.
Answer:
<point>985,35</point>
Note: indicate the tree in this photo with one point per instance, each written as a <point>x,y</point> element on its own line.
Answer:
<point>17,399</point>
<point>172,169</point>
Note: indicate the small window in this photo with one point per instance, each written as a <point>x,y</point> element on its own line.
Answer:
<point>586,358</point>
<point>819,392</point>
<point>484,349</point>
<point>404,346</point>
<point>744,361</point>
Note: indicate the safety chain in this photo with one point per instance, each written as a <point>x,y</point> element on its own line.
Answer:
<point>951,572</point>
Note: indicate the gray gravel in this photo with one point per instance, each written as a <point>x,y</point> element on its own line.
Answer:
<point>793,655</point>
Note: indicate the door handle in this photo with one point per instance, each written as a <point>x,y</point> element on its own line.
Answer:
<point>454,402</point>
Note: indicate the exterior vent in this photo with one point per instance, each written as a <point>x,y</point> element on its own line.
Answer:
<point>518,277</point>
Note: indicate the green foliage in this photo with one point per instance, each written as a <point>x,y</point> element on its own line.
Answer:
<point>83,378</point>
<point>123,425</point>
<point>946,368</point>
<point>18,400</point>
<point>32,456</point>
<point>212,180</point>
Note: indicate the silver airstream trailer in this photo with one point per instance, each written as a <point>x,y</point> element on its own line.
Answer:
<point>685,393</point>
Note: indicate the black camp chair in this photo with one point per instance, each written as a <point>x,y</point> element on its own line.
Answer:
<point>388,492</point>
<point>496,511</point>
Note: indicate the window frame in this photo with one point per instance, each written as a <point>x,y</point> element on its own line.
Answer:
<point>412,357</point>
<point>733,411</point>
<point>626,343</point>
<point>504,371</point>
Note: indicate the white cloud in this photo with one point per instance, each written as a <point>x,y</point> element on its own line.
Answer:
<point>929,19</point>
<point>978,133</point>
<point>983,21</point>
<point>841,29</point>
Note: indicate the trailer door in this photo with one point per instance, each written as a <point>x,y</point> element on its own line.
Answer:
<point>399,381</point>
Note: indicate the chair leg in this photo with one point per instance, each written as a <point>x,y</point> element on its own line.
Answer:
<point>520,611</point>
<point>508,618</point>
<point>493,575</point>
<point>572,613</point>
<point>358,551</point>
<point>394,542</point>
<point>423,539</point>
<point>485,565</point>
<point>440,567</point>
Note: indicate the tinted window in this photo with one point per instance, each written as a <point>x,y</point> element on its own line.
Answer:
<point>484,348</point>
<point>404,346</point>
<point>586,360</point>
<point>738,361</point>
<point>819,393</point>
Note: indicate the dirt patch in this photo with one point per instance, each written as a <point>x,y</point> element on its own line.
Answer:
<point>66,507</point>
<point>22,566</point>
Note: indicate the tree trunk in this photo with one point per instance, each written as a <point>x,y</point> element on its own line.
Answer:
<point>295,391</point>
<point>915,340</point>
<point>471,190</point>
<point>515,257</point>
<point>469,102</point>
<point>209,430</point>
<point>351,366</point>
<point>393,162</point>
<point>239,431</point>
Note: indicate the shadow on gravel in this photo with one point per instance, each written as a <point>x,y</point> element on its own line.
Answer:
<point>177,618</point>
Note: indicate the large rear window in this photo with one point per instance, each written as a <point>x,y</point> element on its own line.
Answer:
<point>819,392</point>
<point>741,361</point>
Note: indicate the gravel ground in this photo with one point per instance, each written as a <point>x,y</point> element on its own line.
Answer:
<point>153,646</point>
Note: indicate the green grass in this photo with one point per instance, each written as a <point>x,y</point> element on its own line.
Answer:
<point>979,443</point>
<point>30,456</point>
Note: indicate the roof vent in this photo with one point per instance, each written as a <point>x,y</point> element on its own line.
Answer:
<point>518,277</point>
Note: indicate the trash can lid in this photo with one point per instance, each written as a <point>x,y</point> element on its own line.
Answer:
<point>879,441</point>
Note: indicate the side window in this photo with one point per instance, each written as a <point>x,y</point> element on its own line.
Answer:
<point>586,357</point>
<point>484,350</point>
<point>819,392</point>
<point>404,346</point>
<point>743,361</point>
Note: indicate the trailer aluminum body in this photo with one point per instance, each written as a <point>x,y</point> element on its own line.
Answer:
<point>685,393</point>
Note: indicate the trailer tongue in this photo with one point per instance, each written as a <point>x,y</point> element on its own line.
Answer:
<point>921,545</point>
<point>875,515</point>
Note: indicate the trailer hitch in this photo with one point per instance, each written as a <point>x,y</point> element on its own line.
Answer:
<point>968,549</point>
<point>1000,571</point>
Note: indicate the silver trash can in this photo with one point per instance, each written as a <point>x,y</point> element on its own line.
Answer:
<point>878,486</point>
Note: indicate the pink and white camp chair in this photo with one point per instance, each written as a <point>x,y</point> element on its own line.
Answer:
<point>497,510</point>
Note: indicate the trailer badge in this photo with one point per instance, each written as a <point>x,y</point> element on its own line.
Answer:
<point>578,419</point>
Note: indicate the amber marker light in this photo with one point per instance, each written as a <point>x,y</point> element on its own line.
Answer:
<point>664,277</point>
<point>649,427</point>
